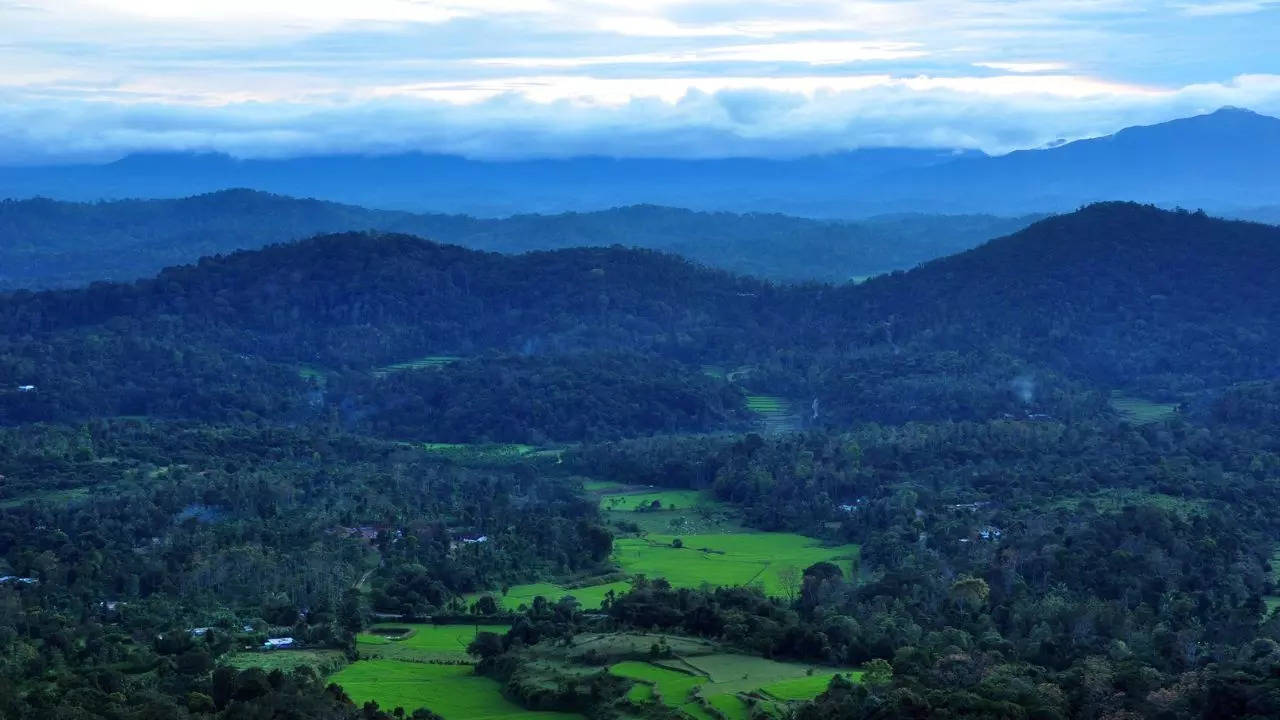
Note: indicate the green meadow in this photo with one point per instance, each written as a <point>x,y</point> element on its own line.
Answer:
<point>668,500</point>
<point>716,552</point>
<point>761,558</point>
<point>421,642</point>
<point>1140,411</point>
<point>590,596</point>
<point>454,692</point>
<point>726,683</point>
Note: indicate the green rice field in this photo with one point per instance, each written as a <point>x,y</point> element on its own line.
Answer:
<point>590,597</point>
<point>421,642</point>
<point>669,499</point>
<point>454,692</point>
<point>745,558</point>
<point>721,681</point>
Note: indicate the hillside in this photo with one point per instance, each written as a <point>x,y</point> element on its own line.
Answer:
<point>62,244</point>
<point>1113,296</point>
<point>1121,292</point>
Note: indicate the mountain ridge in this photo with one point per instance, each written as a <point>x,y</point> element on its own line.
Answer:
<point>1226,162</point>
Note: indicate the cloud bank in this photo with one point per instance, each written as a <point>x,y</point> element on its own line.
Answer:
<point>95,79</point>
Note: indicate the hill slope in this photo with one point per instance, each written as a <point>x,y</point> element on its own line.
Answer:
<point>1116,291</point>
<point>1113,296</point>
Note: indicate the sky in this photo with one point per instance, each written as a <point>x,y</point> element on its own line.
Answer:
<point>97,79</point>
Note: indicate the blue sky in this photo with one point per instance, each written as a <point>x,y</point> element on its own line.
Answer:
<point>93,79</point>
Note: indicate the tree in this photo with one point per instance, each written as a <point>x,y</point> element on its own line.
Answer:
<point>486,645</point>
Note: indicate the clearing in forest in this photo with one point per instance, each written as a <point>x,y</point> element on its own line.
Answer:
<point>454,692</point>
<point>774,561</point>
<point>422,642</point>
<point>1140,411</point>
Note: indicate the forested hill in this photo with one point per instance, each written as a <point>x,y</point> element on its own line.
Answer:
<point>1113,296</point>
<point>1116,290</point>
<point>49,243</point>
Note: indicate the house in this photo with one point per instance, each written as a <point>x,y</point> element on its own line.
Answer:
<point>990,532</point>
<point>277,643</point>
<point>199,632</point>
<point>477,539</point>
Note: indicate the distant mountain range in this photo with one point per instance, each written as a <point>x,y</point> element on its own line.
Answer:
<point>51,243</point>
<point>1227,162</point>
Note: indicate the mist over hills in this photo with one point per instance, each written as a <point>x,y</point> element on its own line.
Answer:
<point>61,244</point>
<point>1226,162</point>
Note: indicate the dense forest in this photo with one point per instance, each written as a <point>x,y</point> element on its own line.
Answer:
<point>64,244</point>
<point>1048,467</point>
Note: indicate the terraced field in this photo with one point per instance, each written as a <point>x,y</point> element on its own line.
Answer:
<point>424,363</point>
<point>730,684</point>
<point>777,414</point>
<point>454,692</point>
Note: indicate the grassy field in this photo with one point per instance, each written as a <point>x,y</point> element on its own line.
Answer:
<point>669,499</point>
<point>1141,412</point>
<point>285,660</point>
<point>729,558</point>
<point>590,597</point>
<point>804,688</point>
<point>670,686</point>
<point>721,680</point>
<point>422,642</point>
<point>481,453</point>
<point>452,691</point>
<point>431,361</point>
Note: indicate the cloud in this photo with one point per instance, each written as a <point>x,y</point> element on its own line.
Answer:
<point>724,119</point>
<point>1235,7</point>
<point>1024,67</point>
<point>557,77</point>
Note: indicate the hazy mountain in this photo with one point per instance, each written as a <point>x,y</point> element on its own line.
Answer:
<point>1227,162</point>
<point>806,186</point>
<point>62,244</point>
